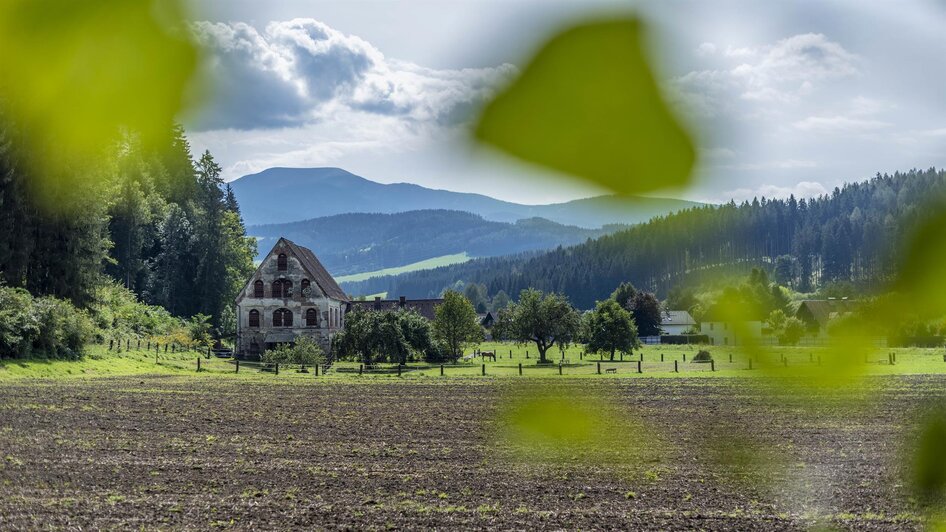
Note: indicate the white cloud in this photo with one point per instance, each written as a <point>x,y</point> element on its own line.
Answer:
<point>839,124</point>
<point>706,49</point>
<point>784,164</point>
<point>302,71</point>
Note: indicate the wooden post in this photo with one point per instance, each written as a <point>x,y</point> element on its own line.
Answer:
<point>155,357</point>
<point>676,367</point>
<point>139,344</point>
<point>581,356</point>
<point>559,368</point>
<point>165,348</point>
<point>277,368</point>
<point>527,354</point>
<point>510,354</point>
<point>661,357</point>
<point>398,369</point>
<point>111,345</point>
<point>750,362</point>
<point>441,370</point>
<point>684,357</point>
<point>520,369</point>
<point>642,356</point>
<point>599,368</point>
<point>622,356</point>
<point>730,358</point>
<point>198,364</point>
<point>237,366</point>
<point>316,370</point>
<point>361,368</point>
<point>127,345</point>
<point>712,365</point>
<point>149,345</point>
<point>639,369</point>
<point>484,370</point>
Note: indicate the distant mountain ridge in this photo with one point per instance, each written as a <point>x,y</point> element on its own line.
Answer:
<point>281,195</point>
<point>363,242</point>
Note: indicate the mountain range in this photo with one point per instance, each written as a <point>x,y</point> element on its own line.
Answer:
<point>364,242</point>
<point>280,195</point>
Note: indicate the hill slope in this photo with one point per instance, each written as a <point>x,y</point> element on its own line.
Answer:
<point>852,235</point>
<point>354,243</point>
<point>280,195</point>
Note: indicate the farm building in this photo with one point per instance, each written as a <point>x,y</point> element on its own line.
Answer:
<point>676,322</point>
<point>290,295</point>
<point>723,330</point>
<point>424,307</point>
<point>817,313</point>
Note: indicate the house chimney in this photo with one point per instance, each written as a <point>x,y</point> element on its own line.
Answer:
<point>402,301</point>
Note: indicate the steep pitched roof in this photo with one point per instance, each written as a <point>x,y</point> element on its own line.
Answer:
<point>320,275</point>
<point>823,310</point>
<point>677,317</point>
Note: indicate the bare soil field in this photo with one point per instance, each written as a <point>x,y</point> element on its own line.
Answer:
<point>195,452</point>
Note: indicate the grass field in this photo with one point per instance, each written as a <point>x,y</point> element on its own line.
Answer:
<point>656,362</point>
<point>436,262</point>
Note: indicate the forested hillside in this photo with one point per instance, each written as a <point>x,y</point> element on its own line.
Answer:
<point>151,218</point>
<point>851,235</point>
<point>360,242</point>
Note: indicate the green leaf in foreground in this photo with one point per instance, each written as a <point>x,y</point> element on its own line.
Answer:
<point>921,276</point>
<point>588,105</point>
<point>76,72</point>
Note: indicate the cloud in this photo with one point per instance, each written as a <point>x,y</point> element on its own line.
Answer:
<point>302,71</point>
<point>839,124</point>
<point>784,72</point>
<point>804,189</point>
<point>785,164</point>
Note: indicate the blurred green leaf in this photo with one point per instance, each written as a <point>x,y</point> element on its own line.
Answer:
<point>588,105</point>
<point>76,72</point>
<point>929,474</point>
<point>921,273</point>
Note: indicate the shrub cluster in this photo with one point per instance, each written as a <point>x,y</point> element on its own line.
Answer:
<point>42,326</point>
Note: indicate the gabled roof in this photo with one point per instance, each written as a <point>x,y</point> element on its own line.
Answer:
<point>824,310</point>
<point>676,317</point>
<point>320,275</point>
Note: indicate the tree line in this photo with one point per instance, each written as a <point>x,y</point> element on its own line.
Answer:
<point>850,235</point>
<point>151,217</point>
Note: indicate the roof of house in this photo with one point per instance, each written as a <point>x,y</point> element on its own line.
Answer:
<point>322,278</point>
<point>824,310</point>
<point>676,317</point>
<point>742,313</point>
<point>424,307</point>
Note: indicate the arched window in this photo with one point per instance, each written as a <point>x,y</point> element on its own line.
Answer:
<point>277,288</point>
<point>286,288</point>
<point>304,285</point>
<point>258,289</point>
<point>254,318</point>
<point>311,318</point>
<point>282,263</point>
<point>282,318</point>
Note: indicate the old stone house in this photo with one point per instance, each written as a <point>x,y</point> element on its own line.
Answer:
<point>290,295</point>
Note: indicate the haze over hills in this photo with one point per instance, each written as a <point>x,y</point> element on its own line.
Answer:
<point>363,242</point>
<point>280,195</point>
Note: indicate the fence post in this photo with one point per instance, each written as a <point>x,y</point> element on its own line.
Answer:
<point>559,368</point>
<point>441,370</point>
<point>642,356</point>
<point>510,354</point>
<point>639,369</point>
<point>684,357</point>
<point>520,369</point>
<point>730,358</point>
<point>712,365</point>
<point>676,367</point>
<point>811,357</point>
<point>622,356</point>
<point>277,368</point>
<point>127,345</point>
<point>139,344</point>
<point>155,357</point>
<point>237,366</point>
<point>111,345</point>
<point>165,348</point>
<point>198,364</point>
<point>361,367</point>
<point>398,369</point>
<point>149,345</point>
<point>750,362</point>
<point>484,370</point>
<point>661,357</point>
<point>581,356</point>
<point>527,354</point>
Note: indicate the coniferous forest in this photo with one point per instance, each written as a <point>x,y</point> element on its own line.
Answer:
<point>852,235</point>
<point>151,218</point>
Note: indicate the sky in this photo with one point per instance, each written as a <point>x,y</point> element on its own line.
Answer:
<point>781,97</point>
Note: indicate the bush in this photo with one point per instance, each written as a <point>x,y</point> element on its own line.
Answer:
<point>305,351</point>
<point>45,326</point>
<point>703,356</point>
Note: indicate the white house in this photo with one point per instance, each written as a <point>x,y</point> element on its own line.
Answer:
<point>676,322</point>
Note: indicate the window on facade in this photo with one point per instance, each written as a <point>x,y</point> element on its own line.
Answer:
<point>711,326</point>
<point>282,318</point>
<point>286,288</point>
<point>304,284</point>
<point>277,288</point>
<point>311,318</point>
<point>254,318</point>
<point>282,263</point>
<point>258,289</point>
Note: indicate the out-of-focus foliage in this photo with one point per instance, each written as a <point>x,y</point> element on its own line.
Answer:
<point>920,276</point>
<point>76,73</point>
<point>588,105</point>
<point>929,460</point>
